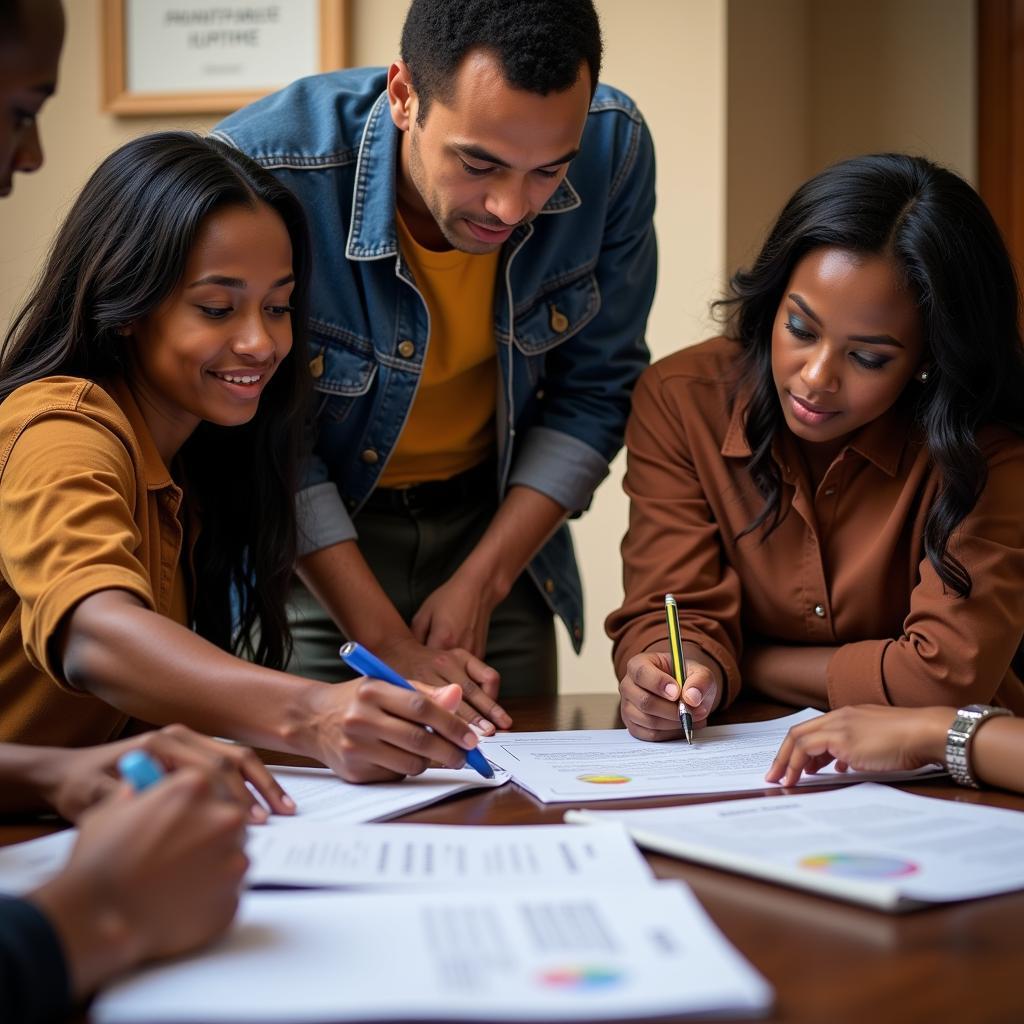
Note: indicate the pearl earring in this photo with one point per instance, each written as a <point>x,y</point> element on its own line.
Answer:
<point>923,376</point>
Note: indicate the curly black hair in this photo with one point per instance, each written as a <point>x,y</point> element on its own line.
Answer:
<point>540,43</point>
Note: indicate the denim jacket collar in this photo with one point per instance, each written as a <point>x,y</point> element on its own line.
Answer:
<point>372,234</point>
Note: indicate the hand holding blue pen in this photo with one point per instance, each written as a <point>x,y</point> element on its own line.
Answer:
<point>362,661</point>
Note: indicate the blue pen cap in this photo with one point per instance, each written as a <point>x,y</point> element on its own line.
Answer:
<point>139,770</point>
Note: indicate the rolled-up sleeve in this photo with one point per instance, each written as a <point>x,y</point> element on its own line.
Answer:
<point>672,545</point>
<point>953,650</point>
<point>322,519</point>
<point>560,466</point>
<point>66,500</point>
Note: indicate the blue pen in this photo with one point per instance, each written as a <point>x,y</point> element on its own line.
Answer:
<point>139,769</point>
<point>359,658</point>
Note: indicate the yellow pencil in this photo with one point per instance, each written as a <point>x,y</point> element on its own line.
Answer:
<point>675,642</point>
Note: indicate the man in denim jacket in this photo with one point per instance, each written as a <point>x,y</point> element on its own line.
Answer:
<point>484,263</point>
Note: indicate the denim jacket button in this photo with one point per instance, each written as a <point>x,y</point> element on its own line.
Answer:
<point>549,586</point>
<point>406,349</point>
<point>559,321</point>
<point>370,456</point>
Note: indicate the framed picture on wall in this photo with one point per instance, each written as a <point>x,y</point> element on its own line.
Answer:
<point>214,56</point>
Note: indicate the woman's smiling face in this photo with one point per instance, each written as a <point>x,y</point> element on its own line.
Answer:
<point>210,348</point>
<point>846,340</point>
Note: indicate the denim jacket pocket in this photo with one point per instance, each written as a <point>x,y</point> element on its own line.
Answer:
<point>343,369</point>
<point>555,315</point>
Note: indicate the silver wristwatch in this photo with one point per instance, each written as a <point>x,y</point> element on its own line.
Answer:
<point>959,739</point>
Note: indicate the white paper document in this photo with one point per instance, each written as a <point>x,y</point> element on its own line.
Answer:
<point>609,764</point>
<point>322,796</point>
<point>869,843</point>
<point>493,857</point>
<point>26,866</point>
<point>504,956</point>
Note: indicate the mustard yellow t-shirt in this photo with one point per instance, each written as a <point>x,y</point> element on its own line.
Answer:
<point>451,424</point>
<point>86,504</point>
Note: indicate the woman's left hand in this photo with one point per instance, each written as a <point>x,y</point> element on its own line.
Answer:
<point>82,777</point>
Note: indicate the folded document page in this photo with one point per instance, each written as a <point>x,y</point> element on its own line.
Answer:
<point>609,764</point>
<point>494,856</point>
<point>322,796</point>
<point>869,844</point>
<point>634,951</point>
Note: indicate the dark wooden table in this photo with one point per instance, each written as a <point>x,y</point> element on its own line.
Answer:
<point>829,962</point>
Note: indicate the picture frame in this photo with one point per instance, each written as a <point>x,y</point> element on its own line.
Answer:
<point>224,53</point>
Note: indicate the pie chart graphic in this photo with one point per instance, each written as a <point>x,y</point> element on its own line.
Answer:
<point>604,778</point>
<point>581,977</point>
<point>865,866</point>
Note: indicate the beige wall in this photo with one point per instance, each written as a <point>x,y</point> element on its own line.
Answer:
<point>670,55</point>
<point>811,82</point>
<point>893,75</point>
<point>743,97</point>
<point>768,121</point>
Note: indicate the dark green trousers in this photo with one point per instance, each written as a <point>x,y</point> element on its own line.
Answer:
<point>412,553</point>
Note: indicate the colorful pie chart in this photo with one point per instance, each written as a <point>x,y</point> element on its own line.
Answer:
<point>866,866</point>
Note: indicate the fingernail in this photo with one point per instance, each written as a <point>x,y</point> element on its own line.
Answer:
<point>694,695</point>
<point>671,691</point>
<point>288,802</point>
<point>258,814</point>
<point>484,728</point>
<point>469,740</point>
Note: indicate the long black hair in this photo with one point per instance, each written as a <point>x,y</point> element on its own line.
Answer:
<point>941,235</point>
<point>121,251</point>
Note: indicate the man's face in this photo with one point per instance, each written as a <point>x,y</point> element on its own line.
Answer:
<point>485,160</point>
<point>28,77</point>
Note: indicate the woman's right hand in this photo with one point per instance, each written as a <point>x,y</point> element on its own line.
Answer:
<point>367,730</point>
<point>151,875</point>
<point>649,695</point>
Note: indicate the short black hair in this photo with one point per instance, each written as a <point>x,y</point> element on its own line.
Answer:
<point>540,43</point>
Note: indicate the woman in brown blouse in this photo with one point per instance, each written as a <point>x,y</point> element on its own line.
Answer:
<point>834,494</point>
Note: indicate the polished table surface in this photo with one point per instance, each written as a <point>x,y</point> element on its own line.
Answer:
<point>829,962</point>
